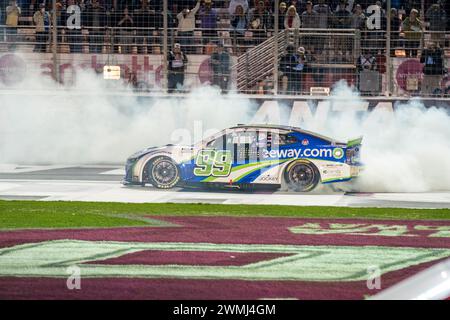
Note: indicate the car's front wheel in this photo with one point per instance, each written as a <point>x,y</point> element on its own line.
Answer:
<point>162,173</point>
<point>301,176</point>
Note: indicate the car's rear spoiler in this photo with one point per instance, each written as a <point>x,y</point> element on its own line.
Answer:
<point>354,142</point>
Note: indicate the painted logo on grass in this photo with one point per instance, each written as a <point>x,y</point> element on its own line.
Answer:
<point>372,229</point>
<point>277,262</point>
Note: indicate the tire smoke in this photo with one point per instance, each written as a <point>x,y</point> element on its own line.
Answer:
<point>42,123</point>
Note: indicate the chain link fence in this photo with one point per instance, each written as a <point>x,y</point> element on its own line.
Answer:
<point>243,46</point>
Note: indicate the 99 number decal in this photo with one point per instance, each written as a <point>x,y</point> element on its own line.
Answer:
<point>213,163</point>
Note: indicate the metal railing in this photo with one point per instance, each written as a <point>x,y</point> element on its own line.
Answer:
<point>377,62</point>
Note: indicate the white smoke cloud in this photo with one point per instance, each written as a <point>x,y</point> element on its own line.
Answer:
<point>40,122</point>
<point>404,151</point>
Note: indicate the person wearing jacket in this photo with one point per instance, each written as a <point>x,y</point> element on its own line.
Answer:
<point>177,64</point>
<point>239,23</point>
<point>292,65</point>
<point>412,28</point>
<point>437,18</point>
<point>186,26</point>
<point>42,21</point>
<point>12,21</point>
<point>220,64</point>
<point>433,70</point>
<point>292,19</point>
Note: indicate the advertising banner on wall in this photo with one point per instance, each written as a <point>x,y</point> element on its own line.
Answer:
<point>411,69</point>
<point>148,69</point>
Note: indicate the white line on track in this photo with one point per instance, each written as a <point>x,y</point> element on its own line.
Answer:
<point>102,191</point>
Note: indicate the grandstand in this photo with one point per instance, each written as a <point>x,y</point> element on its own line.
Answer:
<point>284,48</point>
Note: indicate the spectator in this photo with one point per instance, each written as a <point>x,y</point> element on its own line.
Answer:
<point>126,31</point>
<point>145,19</point>
<point>208,17</point>
<point>324,14</point>
<point>259,21</point>
<point>366,63</point>
<point>291,66</point>
<point>259,17</point>
<point>177,64</point>
<point>239,25</point>
<point>298,4</point>
<point>59,13</point>
<point>310,18</point>
<point>41,19</point>
<point>234,3</point>
<point>342,17</point>
<point>292,19</point>
<point>12,20</point>
<point>342,20</point>
<point>437,18</point>
<point>220,63</point>
<point>96,21</point>
<point>396,22</point>
<point>358,18</point>
<point>281,15</point>
<point>186,26</point>
<point>395,30</point>
<point>239,21</point>
<point>412,28</point>
<point>433,70</point>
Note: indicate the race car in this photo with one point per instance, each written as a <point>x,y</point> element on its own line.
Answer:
<point>248,157</point>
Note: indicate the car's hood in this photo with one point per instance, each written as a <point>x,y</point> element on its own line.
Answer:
<point>168,147</point>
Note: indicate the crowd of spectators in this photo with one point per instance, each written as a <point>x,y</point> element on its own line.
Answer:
<point>133,18</point>
<point>131,23</point>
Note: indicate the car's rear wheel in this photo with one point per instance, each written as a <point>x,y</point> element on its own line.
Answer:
<point>301,176</point>
<point>162,173</point>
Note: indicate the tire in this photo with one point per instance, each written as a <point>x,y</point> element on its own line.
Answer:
<point>162,173</point>
<point>301,176</point>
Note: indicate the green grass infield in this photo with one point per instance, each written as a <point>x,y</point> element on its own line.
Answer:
<point>34,214</point>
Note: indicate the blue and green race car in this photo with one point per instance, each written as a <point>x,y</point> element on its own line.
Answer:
<point>248,157</point>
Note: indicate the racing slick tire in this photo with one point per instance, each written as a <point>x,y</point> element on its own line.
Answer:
<point>162,173</point>
<point>301,176</point>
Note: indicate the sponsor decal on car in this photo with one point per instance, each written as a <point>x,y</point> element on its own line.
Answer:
<point>337,153</point>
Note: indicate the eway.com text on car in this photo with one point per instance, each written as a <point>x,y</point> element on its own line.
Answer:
<point>337,153</point>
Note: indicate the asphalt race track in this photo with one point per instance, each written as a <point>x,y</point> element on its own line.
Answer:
<point>102,183</point>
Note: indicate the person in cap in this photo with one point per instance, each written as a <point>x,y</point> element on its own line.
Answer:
<point>358,19</point>
<point>177,64</point>
<point>292,65</point>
